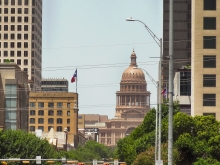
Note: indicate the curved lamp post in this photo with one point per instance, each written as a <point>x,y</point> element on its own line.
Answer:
<point>159,43</point>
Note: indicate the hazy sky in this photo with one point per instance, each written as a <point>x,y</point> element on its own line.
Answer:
<point>93,36</point>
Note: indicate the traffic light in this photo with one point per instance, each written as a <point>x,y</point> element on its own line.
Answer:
<point>4,163</point>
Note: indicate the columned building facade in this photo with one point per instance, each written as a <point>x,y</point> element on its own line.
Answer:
<point>132,104</point>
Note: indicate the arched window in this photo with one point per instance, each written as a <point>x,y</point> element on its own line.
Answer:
<point>59,113</point>
<point>59,129</point>
<point>40,113</point>
<point>32,120</point>
<point>32,112</point>
<point>59,121</point>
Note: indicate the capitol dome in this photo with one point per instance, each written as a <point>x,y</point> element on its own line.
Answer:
<point>133,74</point>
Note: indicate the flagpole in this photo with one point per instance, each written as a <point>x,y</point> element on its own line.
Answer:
<point>76,79</point>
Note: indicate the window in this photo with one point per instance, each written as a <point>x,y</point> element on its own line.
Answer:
<point>59,129</point>
<point>19,19</point>
<point>19,10</point>
<point>26,19</point>
<point>19,62</point>
<point>12,19</point>
<point>32,71</point>
<point>12,36</point>
<point>19,2</point>
<point>209,23</point>
<point>32,120</point>
<point>68,121</point>
<point>209,114</point>
<point>50,121</point>
<point>5,44</point>
<point>32,104</point>
<point>32,112</point>
<point>25,44</point>
<point>26,10</point>
<point>6,2</point>
<point>209,80</point>
<point>32,128</point>
<point>25,36</point>
<point>68,128</point>
<point>12,2</point>
<point>25,53</point>
<point>5,27</point>
<point>209,42</point>
<point>18,44</point>
<point>209,4</point>
<point>50,113</point>
<point>5,53</point>
<point>26,70</point>
<point>68,105</point>
<point>59,113</point>
<point>209,61</point>
<point>40,113</point>
<point>12,53</point>
<point>12,27</point>
<point>6,10</point>
<point>25,27</point>
<point>5,36</point>
<point>59,105</point>
<point>209,99</point>
<point>26,2</point>
<point>19,36</point>
<point>68,113</point>
<point>41,127</point>
<point>5,19</point>
<point>12,10</point>
<point>19,27</point>
<point>18,53</point>
<point>51,105</point>
<point>59,121</point>
<point>49,127</point>
<point>40,121</point>
<point>12,44</point>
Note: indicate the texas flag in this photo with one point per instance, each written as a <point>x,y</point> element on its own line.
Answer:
<point>74,78</point>
<point>164,92</point>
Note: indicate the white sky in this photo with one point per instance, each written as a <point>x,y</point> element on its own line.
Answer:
<point>93,36</point>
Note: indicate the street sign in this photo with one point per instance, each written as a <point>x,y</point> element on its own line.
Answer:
<point>94,162</point>
<point>38,159</point>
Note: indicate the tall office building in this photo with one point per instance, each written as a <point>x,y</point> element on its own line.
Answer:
<point>205,59</point>
<point>181,36</point>
<point>21,36</point>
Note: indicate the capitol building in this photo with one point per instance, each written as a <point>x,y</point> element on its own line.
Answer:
<point>132,104</point>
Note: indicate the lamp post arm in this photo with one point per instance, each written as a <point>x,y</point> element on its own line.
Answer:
<point>151,78</point>
<point>156,39</point>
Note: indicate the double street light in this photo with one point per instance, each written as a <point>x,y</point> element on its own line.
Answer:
<point>158,135</point>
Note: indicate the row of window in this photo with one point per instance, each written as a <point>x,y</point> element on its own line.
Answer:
<point>58,128</point>
<point>49,113</point>
<point>12,45</point>
<point>19,19</point>
<point>54,82</point>
<point>50,121</point>
<point>19,11</point>
<point>50,105</point>
<point>13,36</point>
<point>12,53</point>
<point>19,28</point>
<point>25,62</point>
<point>18,2</point>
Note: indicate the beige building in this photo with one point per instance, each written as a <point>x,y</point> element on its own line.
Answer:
<point>205,58</point>
<point>21,36</point>
<point>57,110</point>
<point>14,93</point>
<point>132,104</point>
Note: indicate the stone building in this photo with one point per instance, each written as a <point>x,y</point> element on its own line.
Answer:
<point>132,104</point>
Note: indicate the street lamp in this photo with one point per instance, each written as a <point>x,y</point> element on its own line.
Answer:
<point>159,43</point>
<point>66,134</point>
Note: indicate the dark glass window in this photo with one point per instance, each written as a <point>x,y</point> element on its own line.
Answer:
<point>185,83</point>
<point>40,121</point>
<point>32,128</point>
<point>5,36</point>
<point>50,113</point>
<point>209,42</point>
<point>209,4</point>
<point>5,27</point>
<point>19,2</point>
<point>12,2</point>
<point>59,121</point>
<point>6,10</point>
<point>32,120</point>
<point>209,23</point>
<point>51,105</point>
<point>209,61</point>
<point>32,112</point>
<point>59,113</point>
<point>12,10</point>
<point>49,127</point>
<point>209,99</point>
<point>19,10</point>
<point>50,121</point>
<point>18,53</point>
<point>25,36</point>
<point>12,53</point>
<point>209,80</point>
<point>59,129</point>
<point>41,127</point>
<point>19,62</point>
<point>26,2</point>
